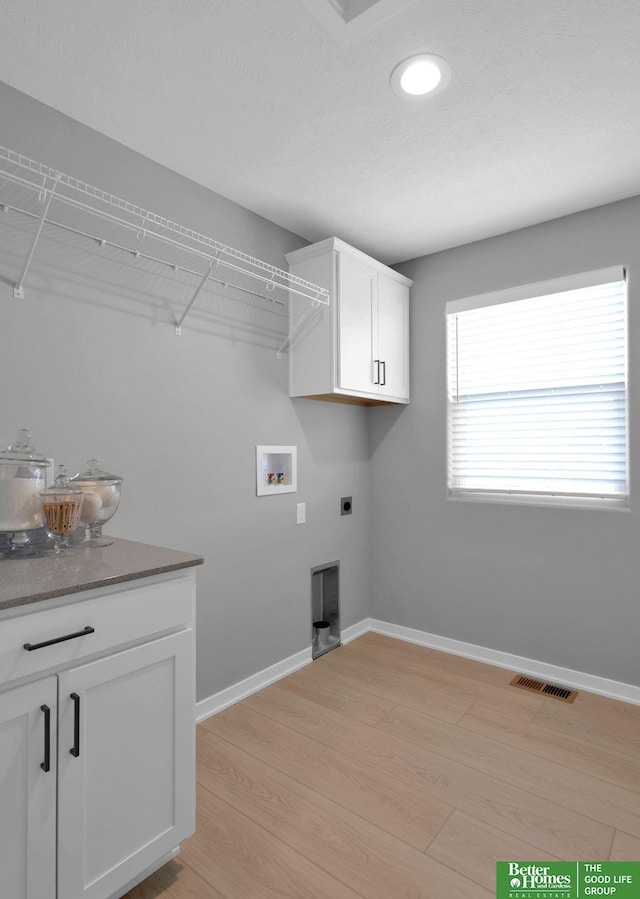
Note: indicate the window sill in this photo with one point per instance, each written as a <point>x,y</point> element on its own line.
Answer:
<point>546,500</point>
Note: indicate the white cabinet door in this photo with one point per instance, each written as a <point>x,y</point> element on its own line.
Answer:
<point>28,791</point>
<point>393,337</point>
<point>357,290</point>
<point>126,769</point>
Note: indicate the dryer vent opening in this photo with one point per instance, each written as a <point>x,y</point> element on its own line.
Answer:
<point>325,608</point>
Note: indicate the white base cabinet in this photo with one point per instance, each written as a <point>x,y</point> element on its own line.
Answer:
<point>97,759</point>
<point>121,799</point>
<point>356,351</point>
<point>28,791</point>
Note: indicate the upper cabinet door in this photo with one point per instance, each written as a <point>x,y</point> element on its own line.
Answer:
<point>126,766</point>
<point>393,337</point>
<point>28,791</point>
<point>357,285</point>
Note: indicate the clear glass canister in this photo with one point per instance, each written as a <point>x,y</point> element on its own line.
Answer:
<point>101,499</point>
<point>23,474</point>
<point>61,509</point>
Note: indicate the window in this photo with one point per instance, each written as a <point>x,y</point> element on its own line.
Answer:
<point>537,392</point>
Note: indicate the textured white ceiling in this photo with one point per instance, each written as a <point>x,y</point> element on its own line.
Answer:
<point>257,101</point>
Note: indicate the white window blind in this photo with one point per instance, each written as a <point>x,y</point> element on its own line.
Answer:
<point>537,392</point>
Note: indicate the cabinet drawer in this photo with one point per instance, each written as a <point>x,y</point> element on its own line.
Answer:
<point>131,614</point>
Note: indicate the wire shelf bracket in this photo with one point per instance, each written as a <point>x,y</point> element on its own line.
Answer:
<point>195,296</point>
<point>315,304</point>
<point>45,197</point>
<point>32,188</point>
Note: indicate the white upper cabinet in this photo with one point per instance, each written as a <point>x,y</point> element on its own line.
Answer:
<point>357,350</point>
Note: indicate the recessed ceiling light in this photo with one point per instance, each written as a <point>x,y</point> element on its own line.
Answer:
<point>420,75</point>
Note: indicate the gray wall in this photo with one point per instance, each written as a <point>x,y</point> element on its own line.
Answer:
<point>90,363</point>
<point>552,584</point>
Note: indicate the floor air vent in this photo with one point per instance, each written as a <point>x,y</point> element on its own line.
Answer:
<point>538,686</point>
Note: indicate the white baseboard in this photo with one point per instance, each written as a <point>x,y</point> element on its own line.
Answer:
<point>222,700</point>
<point>577,680</point>
<point>356,630</point>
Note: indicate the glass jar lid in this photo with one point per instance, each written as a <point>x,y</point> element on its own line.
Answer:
<point>21,450</point>
<point>93,474</point>
<point>62,487</point>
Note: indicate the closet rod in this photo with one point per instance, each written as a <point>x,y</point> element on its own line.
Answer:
<point>138,254</point>
<point>144,218</point>
<point>144,232</point>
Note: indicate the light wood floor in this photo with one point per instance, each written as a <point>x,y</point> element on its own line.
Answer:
<point>388,770</point>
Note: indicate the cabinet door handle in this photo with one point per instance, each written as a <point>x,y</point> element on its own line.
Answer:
<point>31,646</point>
<point>384,373</point>
<point>376,380</point>
<point>75,750</point>
<point>46,765</point>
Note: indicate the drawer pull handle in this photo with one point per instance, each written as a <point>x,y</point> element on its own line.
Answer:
<point>384,373</point>
<point>31,646</point>
<point>46,765</point>
<point>75,750</point>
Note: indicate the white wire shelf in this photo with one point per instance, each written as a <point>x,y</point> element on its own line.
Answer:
<point>50,197</point>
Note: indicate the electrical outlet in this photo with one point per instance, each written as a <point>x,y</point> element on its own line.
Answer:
<point>346,505</point>
<point>301,513</point>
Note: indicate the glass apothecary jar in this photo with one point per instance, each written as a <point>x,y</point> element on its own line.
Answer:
<point>61,509</point>
<point>23,474</point>
<point>101,491</point>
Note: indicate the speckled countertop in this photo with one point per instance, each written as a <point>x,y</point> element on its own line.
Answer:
<point>33,579</point>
